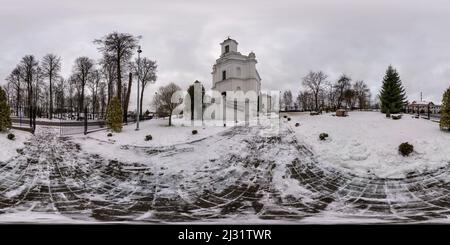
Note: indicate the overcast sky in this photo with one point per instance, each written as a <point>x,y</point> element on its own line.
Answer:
<point>359,38</point>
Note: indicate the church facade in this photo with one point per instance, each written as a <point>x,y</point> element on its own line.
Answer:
<point>234,71</point>
<point>236,87</point>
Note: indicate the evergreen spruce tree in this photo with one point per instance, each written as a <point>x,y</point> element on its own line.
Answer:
<point>392,95</point>
<point>5,118</point>
<point>445,111</point>
<point>114,115</point>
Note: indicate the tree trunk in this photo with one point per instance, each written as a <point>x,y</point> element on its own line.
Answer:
<point>81,106</point>
<point>170,118</point>
<point>119,78</point>
<point>18,100</point>
<point>127,99</point>
<point>51,98</point>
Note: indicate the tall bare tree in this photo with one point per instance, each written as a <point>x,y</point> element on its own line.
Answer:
<point>342,85</point>
<point>51,66</point>
<point>147,69</point>
<point>29,66</point>
<point>109,73</point>
<point>15,78</point>
<point>315,81</point>
<point>362,94</point>
<point>163,101</point>
<point>287,99</point>
<point>93,84</point>
<point>118,47</point>
<point>82,70</point>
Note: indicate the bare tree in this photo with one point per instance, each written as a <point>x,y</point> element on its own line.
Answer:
<point>163,101</point>
<point>147,69</point>
<point>51,66</point>
<point>287,99</point>
<point>29,66</point>
<point>93,84</point>
<point>315,81</point>
<point>102,97</point>
<point>118,47</point>
<point>362,94</point>
<point>109,73</point>
<point>60,92</point>
<point>342,85</point>
<point>305,101</point>
<point>15,79</point>
<point>82,70</point>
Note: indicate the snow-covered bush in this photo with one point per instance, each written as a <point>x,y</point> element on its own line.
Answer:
<point>11,136</point>
<point>194,131</point>
<point>405,149</point>
<point>284,116</point>
<point>109,135</point>
<point>396,117</point>
<point>148,137</point>
<point>114,115</point>
<point>297,124</point>
<point>289,119</point>
<point>323,136</point>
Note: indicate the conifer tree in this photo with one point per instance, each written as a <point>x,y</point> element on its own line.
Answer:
<point>445,111</point>
<point>5,118</point>
<point>114,115</point>
<point>392,95</point>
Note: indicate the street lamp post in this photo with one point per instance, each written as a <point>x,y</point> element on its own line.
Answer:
<point>138,84</point>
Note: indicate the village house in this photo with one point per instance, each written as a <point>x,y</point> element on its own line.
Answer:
<point>422,107</point>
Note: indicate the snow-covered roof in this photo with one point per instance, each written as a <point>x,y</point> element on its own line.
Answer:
<point>421,103</point>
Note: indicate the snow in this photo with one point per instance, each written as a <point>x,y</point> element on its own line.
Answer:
<point>367,142</point>
<point>8,148</point>
<point>116,147</point>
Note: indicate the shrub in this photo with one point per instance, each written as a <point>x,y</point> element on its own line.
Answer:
<point>194,131</point>
<point>5,118</point>
<point>396,117</point>
<point>405,149</point>
<point>11,136</point>
<point>297,124</point>
<point>323,136</point>
<point>148,137</point>
<point>444,123</point>
<point>114,115</point>
<point>289,119</point>
<point>284,116</point>
<point>109,135</point>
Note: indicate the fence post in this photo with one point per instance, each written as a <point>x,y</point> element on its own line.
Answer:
<point>85,120</point>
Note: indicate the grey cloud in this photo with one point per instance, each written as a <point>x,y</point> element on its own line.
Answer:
<point>360,38</point>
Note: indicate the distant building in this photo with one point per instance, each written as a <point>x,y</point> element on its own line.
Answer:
<point>423,107</point>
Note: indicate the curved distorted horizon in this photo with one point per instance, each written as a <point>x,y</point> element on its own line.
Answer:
<point>235,112</point>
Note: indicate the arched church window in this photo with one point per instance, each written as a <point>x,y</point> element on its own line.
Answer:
<point>224,75</point>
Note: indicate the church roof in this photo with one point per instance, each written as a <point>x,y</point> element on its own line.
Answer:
<point>229,40</point>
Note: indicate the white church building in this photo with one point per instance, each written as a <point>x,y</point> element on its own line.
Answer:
<point>234,71</point>
<point>236,88</point>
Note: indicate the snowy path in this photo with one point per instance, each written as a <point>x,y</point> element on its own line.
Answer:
<point>246,177</point>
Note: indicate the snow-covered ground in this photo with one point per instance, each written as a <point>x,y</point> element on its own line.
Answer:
<point>367,142</point>
<point>8,148</point>
<point>115,147</point>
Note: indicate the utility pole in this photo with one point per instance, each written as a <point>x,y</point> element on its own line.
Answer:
<point>138,84</point>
